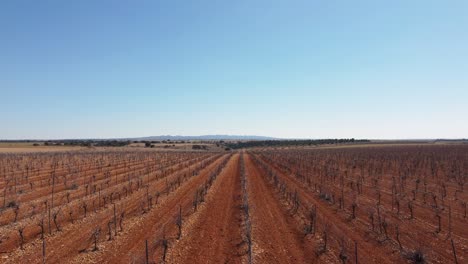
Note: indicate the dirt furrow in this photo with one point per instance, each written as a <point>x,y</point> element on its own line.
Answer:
<point>215,232</point>
<point>129,247</point>
<point>373,253</point>
<point>32,230</point>
<point>417,229</point>
<point>67,244</point>
<point>275,237</point>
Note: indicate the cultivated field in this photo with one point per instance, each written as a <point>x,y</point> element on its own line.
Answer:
<point>381,204</point>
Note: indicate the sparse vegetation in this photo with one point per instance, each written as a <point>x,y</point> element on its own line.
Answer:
<point>331,200</point>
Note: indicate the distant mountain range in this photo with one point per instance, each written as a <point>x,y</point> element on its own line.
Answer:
<point>204,137</point>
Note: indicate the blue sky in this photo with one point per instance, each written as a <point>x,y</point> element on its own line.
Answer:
<point>308,69</point>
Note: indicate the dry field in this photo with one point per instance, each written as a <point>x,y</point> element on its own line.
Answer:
<point>16,147</point>
<point>385,204</point>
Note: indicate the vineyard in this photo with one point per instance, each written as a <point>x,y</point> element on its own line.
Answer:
<point>368,204</point>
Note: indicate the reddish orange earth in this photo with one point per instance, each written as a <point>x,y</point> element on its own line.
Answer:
<point>390,204</point>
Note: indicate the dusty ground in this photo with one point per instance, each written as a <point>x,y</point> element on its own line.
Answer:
<point>28,147</point>
<point>155,189</point>
<point>213,233</point>
<point>276,237</point>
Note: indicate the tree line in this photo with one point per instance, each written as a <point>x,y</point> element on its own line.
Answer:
<point>298,142</point>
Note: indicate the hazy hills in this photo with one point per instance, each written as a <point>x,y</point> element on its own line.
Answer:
<point>204,137</point>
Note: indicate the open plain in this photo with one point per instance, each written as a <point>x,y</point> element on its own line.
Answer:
<point>381,204</point>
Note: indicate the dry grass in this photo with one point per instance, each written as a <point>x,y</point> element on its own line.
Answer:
<point>21,147</point>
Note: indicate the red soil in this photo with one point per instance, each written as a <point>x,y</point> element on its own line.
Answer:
<point>210,192</point>
<point>214,234</point>
<point>276,238</point>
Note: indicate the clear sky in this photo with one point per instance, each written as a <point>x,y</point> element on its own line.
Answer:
<point>308,69</point>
